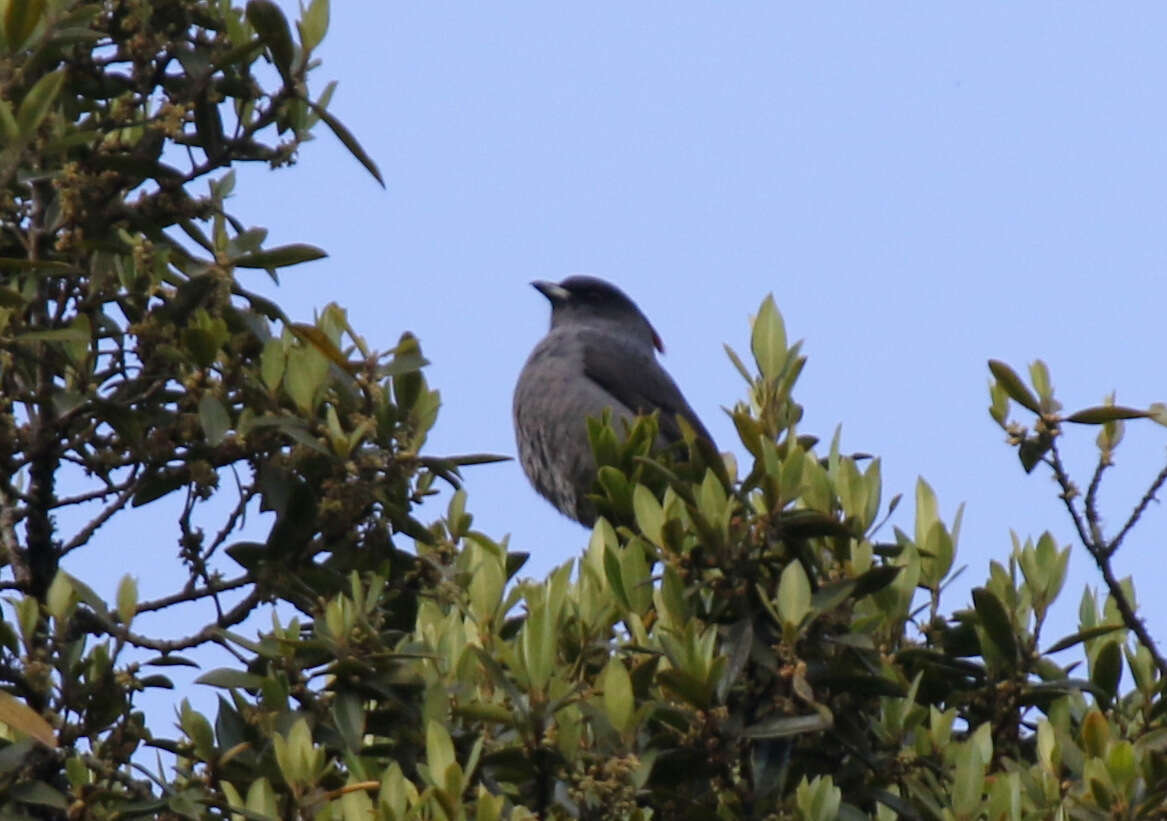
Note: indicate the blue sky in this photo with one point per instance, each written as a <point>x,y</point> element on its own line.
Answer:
<point>921,187</point>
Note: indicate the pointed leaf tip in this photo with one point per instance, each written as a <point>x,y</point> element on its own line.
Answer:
<point>1008,379</point>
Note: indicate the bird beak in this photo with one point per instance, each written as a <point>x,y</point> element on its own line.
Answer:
<point>553,291</point>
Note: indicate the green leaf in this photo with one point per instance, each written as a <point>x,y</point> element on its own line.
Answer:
<point>768,339</point>
<point>229,677</point>
<point>171,661</point>
<point>38,792</point>
<point>1095,733</point>
<point>1101,414</point>
<point>20,19</point>
<point>9,130</point>
<point>20,717</point>
<point>1008,379</point>
<point>306,372</point>
<point>349,716</point>
<point>793,595</point>
<point>618,699</point>
<point>349,141</point>
<point>927,510</point>
<point>1039,376</point>
<point>70,334</point>
<point>832,594</point>
<point>439,750</point>
<point>272,362</point>
<point>875,579</point>
<point>214,419</point>
<point>969,782</point>
<point>272,27</point>
<point>1121,763</point>
<point>48,267</point>
<point>785,726</point>
<point>995,619</point>
<point>157,486</point>
<point>738,364</point>
<point>313,26</point>
<point>36,104</point>
<point>318,339</point>
<point>127,599</point>
<point>1031,451</point>
<point>1082,635</point>
<point>280,257</point>
<point>650,517</point>
<point>1107,668</point>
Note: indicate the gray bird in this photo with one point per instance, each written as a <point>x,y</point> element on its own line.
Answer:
<point>598,354</point>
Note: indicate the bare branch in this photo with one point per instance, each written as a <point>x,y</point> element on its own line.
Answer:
<point>1092,517</point>
<point>1137,513</point>
<point>1101,553</point>
<point>86,533</point>
<point>98,624</point>
<point>195,594</point>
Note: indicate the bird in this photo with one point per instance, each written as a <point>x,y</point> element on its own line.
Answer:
<point>600,353</point>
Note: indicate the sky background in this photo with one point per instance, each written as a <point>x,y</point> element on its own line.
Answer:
<point>922,187</point>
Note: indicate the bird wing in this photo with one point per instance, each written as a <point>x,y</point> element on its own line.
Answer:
<point>641,384</point>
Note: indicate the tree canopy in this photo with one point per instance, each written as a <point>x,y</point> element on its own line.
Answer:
<point>748,642</point>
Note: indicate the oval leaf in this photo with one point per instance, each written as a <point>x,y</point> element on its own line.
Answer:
<point>768,339</point>
<point>1008,379</point>
<point>349,141</point>
<point>272,27</point>
<point>1083,635</point>
<point>227,677</point>
<point>995,620</point>
<point>1106,413</point>
<point>22,718</point>
<point>38,101</point>
<point>793,594</point>
<point>214,419</point>
<point>618,699</point>
<point>280,257</point>
<point>1107,669</point>
<point>788,726</point>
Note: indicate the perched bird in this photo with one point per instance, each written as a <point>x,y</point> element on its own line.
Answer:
<point>598,354</point>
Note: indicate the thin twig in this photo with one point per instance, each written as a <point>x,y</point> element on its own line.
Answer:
<point>86,533</point>
<point>1091,497</point>
<point>195,594</point>
<point>1148,497</point>
<point>1101,553</point>
<point>209,633</point>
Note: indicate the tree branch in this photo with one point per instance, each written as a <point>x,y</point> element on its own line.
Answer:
<point>1148,497</point>
<point>86,533</point>
<point>99,624</point>
<point>194,594</point>
<point>1101,554</point>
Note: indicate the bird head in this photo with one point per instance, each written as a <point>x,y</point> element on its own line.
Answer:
<point>584,300</point>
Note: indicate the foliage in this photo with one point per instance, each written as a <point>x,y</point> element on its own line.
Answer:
<point>732,644</point>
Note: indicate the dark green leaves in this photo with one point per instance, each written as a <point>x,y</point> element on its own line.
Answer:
<point>1106,413</point>
<point>272,26</point>
<point>995,620</point>
<point>350,142</point>
<point>1008,379</point>
<point>230,677</point>
<point>280,257</point>
<point>214,419</point>
<point>36,104</point>
<point>20,19</point>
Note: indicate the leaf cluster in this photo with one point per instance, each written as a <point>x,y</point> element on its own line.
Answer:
<point>750,641</point>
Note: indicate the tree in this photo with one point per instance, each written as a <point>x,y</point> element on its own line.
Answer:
<point>739,649</point>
